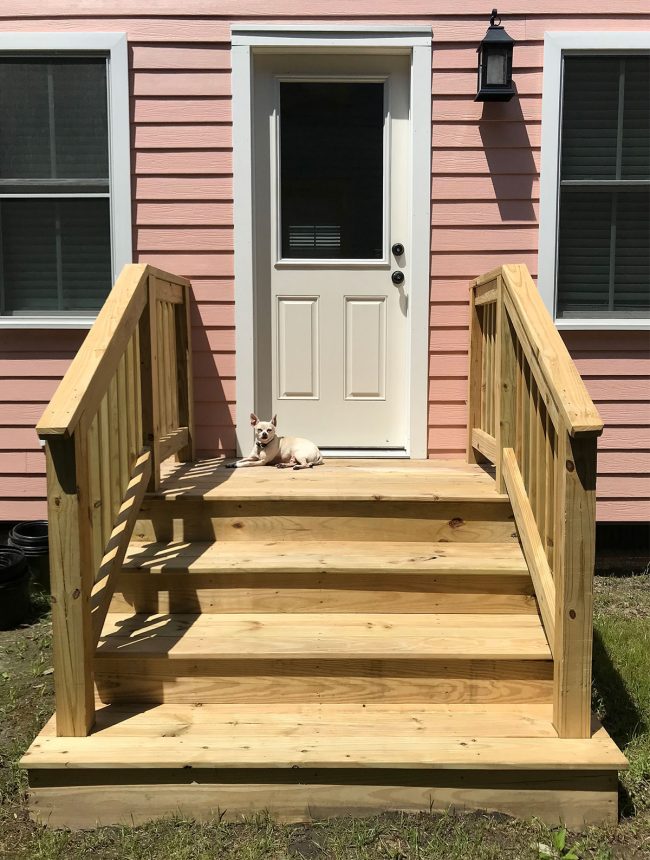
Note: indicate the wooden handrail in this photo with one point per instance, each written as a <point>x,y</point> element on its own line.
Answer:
<point>124,405</point>
<point>530,415</point>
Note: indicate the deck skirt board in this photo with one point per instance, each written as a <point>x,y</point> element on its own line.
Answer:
<point>571,799</point>
<point>335,636</point>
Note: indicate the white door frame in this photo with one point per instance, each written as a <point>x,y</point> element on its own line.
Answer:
<point>249,39</point>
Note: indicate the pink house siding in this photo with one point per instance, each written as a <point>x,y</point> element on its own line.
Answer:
<point>485,196</point>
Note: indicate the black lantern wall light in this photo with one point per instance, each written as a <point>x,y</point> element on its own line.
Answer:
<point>495,64</point>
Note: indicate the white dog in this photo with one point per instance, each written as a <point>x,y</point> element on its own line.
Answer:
<point>284,452</point>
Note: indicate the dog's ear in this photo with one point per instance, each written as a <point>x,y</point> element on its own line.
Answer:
<point>274,420</point>
<point>254,419</point>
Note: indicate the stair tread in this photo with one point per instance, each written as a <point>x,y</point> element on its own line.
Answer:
<point>511,737</point>
<point>334,636</point>
<point>335,480</point>
<point>333,557</point>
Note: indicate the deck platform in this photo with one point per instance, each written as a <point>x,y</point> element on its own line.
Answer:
<point>358,637</point>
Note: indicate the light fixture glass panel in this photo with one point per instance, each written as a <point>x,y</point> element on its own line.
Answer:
<point>496,67</point>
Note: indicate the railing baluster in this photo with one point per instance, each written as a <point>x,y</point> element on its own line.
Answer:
<point>137,383</point>
<point>114,448</point>
<point>475,381</point>
<point>520,404</point>
<point>184,374</point>
<point>173,365</point>
<point>549,471</point>
<point>483,322</point>
<point>123,431</point>
<point>131,409</point>
<point>96,513</point>
<point>105,470</point>
<point>532,448</point>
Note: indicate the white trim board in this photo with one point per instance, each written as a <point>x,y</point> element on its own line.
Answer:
<point>249,39</point>
<point>556,45</point>
<point>114,46</point>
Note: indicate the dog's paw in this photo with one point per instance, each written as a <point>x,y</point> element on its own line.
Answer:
<point>231,465</point>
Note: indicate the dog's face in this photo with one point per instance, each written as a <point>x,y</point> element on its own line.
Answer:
<point>264,430</point>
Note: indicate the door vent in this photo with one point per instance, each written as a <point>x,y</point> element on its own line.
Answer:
<point>305,236</point>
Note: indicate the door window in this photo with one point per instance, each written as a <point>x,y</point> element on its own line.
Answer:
<point>332,170</point>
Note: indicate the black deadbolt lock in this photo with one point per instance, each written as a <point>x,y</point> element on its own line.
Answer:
<point>398,249</point>
<point>397,277</point>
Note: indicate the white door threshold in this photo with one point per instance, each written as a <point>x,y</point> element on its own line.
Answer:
<point>366,453</point>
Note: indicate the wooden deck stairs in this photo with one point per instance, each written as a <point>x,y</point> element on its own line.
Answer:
<point>363,636</point>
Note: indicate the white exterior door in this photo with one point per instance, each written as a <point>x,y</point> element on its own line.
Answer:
<point>332,176</point>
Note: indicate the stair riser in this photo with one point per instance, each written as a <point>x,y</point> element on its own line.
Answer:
<point>573,799</point>
<point>199,520</point>
<point>123,679</point>
<point>144,592</point>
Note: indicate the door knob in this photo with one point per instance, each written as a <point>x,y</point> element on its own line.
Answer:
<point>398,249</point>
<point>397,278</point>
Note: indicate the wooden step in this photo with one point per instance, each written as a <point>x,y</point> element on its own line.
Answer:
<point>340,576</point>
<point>344,500</point>
<point>336,480</point>
<point>337,636</point>
<point>326,736</point>
<point>488,520</point>
<point>335,657</point>
<point>312,761</point>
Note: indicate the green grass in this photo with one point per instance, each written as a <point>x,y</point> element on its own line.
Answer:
<point>621,699</point>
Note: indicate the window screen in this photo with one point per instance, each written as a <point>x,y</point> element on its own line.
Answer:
<point>604,224</point>
<point>55,252</point>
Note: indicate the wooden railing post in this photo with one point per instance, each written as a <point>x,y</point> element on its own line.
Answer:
<point>71,572</point>
<point>149,383</point>
<point>475,381</point>
<point>574,567</point>
<point>505,389</point>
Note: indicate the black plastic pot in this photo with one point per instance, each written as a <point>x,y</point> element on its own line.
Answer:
<point>14,588</point>
<point>31,539</point>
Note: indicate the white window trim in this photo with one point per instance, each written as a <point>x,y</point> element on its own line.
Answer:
<point>113,46</point>
<point>249,39</point>
<point>556,45</point>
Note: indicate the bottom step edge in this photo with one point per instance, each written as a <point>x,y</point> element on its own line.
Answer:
<point>575,799</point>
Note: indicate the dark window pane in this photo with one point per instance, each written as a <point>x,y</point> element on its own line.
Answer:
<point>29,270</point>
<point>591,224</point>
<point>81,119</point>
<point>54,119</point>
<point>636,119</point>
<point>55,254</point>
<point>632,271</point>
<point>24,120</point>
<point>332,153</point>
<point>583,265</point>
<point>590,117</point>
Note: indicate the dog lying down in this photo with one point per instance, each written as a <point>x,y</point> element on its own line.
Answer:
<point>285,452</point>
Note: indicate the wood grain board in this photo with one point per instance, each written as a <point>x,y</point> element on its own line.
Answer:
<point>196,519</point>
<point>335,636</point>
<point>127,679</point>
<point>344,480</point>
<point>569,799</point>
